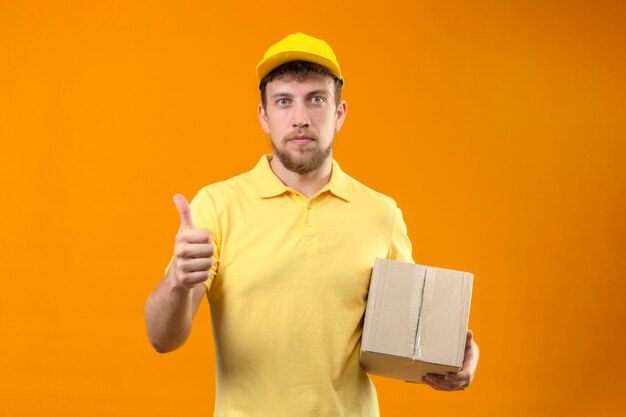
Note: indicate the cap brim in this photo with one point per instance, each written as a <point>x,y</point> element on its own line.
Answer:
<point>267,65</point>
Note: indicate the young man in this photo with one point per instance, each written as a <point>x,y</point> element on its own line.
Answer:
<point>284,254</point>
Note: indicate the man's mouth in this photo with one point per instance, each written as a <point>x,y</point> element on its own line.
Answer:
<point>300,139</point>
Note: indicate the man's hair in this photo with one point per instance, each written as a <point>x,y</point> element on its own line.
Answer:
<point>299,71</point>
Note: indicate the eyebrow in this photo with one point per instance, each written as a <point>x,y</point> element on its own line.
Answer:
<point>279,94</point>
<point>318,92</point>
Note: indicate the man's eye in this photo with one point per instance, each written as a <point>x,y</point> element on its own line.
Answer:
<point>317,99</point>
<point>282,101</point>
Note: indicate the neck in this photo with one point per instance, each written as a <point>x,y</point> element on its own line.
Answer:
<point>307,184</point>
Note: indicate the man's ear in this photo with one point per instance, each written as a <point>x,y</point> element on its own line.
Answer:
<point>342,110</point>
<point>263,119</point>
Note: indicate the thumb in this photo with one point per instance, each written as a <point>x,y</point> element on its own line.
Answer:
<point>469,337</point>
<point>183,211</point>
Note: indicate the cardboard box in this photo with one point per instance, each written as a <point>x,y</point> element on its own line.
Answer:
<point>415,321</point>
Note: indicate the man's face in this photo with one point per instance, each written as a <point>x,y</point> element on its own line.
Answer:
<point>302,119</point>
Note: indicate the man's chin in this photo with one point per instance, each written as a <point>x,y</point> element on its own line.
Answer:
<point>302,164</point>
<point>303,161</point>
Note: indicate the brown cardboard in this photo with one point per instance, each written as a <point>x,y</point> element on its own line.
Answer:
<point>415,321</point>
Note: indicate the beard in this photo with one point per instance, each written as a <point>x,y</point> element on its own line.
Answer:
<point>306,161</point>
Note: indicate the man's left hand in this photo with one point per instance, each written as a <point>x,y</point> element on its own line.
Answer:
<point>455,381</point>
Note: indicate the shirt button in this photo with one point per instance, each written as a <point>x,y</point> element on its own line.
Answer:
<point>309,206</point>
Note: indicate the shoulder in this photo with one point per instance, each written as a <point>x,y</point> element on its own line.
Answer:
<point>214,200</point>
<point>364,195</point>
<point>228,188</point>
<point>227,192</point>
<point>240,188</point>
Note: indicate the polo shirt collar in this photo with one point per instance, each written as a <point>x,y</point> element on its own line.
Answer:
<point>269,185</point>
<point>339,183</point>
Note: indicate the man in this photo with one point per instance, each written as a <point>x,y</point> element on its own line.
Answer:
<point>284,254</point>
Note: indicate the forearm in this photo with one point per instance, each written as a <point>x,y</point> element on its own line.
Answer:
<point>168,315</point>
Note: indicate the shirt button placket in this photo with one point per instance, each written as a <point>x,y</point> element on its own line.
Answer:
<point>309,215</point>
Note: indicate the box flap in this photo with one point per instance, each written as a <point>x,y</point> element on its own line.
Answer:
<point>445,313</point>
<point>395,297</point>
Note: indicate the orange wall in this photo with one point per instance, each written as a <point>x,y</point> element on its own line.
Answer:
<point>499,127</point>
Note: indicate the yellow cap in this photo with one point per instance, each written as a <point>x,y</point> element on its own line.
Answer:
<point>299,47</point>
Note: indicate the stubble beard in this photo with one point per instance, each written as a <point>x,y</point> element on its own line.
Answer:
<point>312,161</point>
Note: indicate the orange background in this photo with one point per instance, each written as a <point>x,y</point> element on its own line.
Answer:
<point>498,127</point>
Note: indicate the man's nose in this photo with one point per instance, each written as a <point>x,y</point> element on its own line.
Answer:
<point>300,116</point>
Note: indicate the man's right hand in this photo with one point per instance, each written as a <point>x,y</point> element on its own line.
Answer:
<point>193,250</point>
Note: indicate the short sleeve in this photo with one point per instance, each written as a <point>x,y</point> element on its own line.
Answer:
<point>400,248</point>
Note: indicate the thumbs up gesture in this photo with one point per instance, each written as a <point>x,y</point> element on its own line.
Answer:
<point>193,250</point>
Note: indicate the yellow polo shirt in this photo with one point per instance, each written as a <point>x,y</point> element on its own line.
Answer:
<point>288,291</point>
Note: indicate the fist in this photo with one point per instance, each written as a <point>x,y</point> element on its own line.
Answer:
<point>193,250</point>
